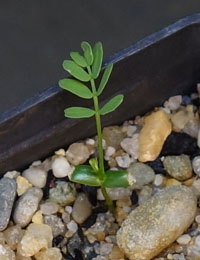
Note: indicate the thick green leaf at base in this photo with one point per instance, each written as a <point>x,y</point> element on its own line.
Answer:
<point>111,105</point>
<point>79,112</point>
<point>84,174</point>
<point>116,179</point>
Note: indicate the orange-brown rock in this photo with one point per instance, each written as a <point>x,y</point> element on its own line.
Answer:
<point>156,129</point>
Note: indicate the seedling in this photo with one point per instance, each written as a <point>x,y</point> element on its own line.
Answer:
<point>86,68</point>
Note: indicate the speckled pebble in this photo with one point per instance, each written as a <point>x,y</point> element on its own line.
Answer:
<point>178,166</point>
<point>155,224</point>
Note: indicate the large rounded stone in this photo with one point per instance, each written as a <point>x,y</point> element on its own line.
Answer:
<point>158,222</point>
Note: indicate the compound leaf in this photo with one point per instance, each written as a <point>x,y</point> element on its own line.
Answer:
<point>76,71</point>
<point>104,79</point>
<point>78,58</point>
<point>98,57</point>
<point>78,112</point>
<point>87,52</point>
<point>75,87</point>
<point>111,105</point>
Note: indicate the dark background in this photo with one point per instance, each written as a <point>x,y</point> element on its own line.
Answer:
<point>36,36</point>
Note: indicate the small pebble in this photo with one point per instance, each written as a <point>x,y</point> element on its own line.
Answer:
<point>184,239</point>
<point>22,185</point>
<point>37,218</point>
<point>77,153</point>
<point>174,102</point>
<point>58,227</point>
<point>178,167</point>
<point>113,136</point>
<point>123,161</point>
<point>72,226</point>
<point>115,193</point>
<point>82,208</point>
<point>140,174</point>
<point>196,165</point>
<point>131,145</point>
<point>159,180</point>
<point>61,168</point>
<point>12,174</point>
<point>36,176</point>
<point>64,193</point>
<point>49,208</point>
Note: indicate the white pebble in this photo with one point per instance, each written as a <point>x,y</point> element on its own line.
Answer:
<point>61,168</point>
<point>197,219</point>
<point>123,161</point>
<point>196,165</point>
<point>36,176</point>
<point>12,174</point>
<point>110,151</point>
<point>198,139</point>
<point>158,181</point>
<point>68,209</point>
<point>131,130</point>
<point>72,226</point>
<point>184,239</point>
<point>197,241</point>
<point>174,102</point>
<point>90,141</point>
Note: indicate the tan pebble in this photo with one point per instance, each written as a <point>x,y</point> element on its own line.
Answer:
<point>112,163</point>
<point>50,254</point>
<point>22,185</point>
<point>172,182</point>
<point>116,253</point>
<point>61,210</point>
<point>120,215</point>
<point>82,208</point>
<point>91,238</point>
<point>38,218</point>
<point>156,129</point>
<point>189,182</point>
<point>123,202</point>
<point>60,152</point>
<point>69,234</point>
<point>100,236</point>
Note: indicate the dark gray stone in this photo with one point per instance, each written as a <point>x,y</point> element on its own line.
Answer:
<point>8,189</point>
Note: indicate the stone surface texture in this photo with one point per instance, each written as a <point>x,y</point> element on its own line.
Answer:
<point>7,196</point>
<point>152,136</point>
<point>26,206</point>
<point>155,224</point>
<point>82,208</point>
<point>179,167</point>
<point>36,237</point>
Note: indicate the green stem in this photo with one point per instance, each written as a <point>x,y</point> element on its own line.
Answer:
<point>100,145</point>
<point>109,202</point>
